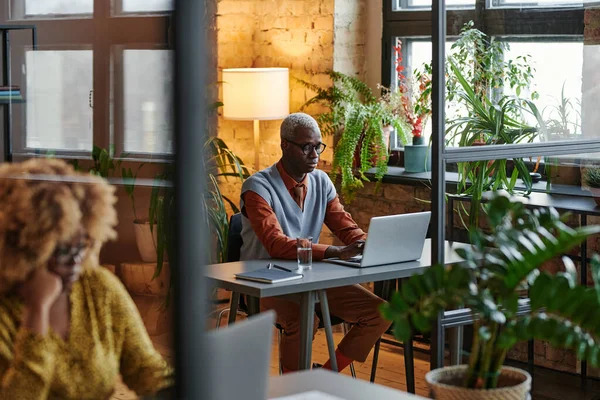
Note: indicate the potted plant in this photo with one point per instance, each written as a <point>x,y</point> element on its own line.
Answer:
<point>103,162</point>
<point>591,179</point>
<point>498,267</point>
<point>476,67</point>
<point>410,104</point>
<point>562,122</point>
<point>144,237</point>
<point>220,163</point>
<point>360,125</point>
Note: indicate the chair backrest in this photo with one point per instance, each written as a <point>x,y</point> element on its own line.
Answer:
<point>234,238</point>
<point>241,355</point>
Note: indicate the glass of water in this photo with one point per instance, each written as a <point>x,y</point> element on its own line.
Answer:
<point>304,249</point>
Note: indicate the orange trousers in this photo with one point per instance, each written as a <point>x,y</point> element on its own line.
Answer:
<point>354,304</point>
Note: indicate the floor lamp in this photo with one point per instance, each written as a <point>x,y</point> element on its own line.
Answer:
<point>256,94</point>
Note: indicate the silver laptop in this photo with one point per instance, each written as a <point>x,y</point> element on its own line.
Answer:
<point>392,239</point>
<point>241,353</point>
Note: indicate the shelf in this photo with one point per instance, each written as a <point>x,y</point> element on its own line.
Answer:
<point>7,101</point>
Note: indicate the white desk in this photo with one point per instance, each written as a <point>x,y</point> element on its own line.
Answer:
<point>332,384</point>
<point>321,277</point>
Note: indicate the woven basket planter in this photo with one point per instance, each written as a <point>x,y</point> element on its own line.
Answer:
<point>513,384</point>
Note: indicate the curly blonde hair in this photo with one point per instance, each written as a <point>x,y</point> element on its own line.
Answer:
<point>44,202</point>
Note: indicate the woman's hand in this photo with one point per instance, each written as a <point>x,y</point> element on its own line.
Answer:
<point>39,293</point>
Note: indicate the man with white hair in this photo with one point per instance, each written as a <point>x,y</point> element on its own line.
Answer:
<point>293,199</point>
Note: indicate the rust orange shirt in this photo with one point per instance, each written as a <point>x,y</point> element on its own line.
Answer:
<point>266,226</point>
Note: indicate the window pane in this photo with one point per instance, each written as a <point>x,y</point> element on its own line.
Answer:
<point>58,113</point>
<point>148,108</point>
<point>147,5</point>
<point>539,3</point>
<point>561,109</point>
<point>420,4</point>
<point>45,7</point>
<point>417,54</point>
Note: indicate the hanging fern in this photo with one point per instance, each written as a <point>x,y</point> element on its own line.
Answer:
<point>356,117</point>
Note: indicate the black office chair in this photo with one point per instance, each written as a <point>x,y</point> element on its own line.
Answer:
<point>234,245</point>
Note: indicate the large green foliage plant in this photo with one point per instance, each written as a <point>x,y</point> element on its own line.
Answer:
<point>496,270</point>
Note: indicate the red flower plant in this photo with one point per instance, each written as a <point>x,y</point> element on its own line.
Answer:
<point>417,111</point>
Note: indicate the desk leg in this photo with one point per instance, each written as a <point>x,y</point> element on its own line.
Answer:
<point>307,319</point>
<point>328,331</point>
<point>235,301</point>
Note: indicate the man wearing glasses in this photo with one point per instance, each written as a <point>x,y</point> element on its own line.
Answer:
<point>294,199</point>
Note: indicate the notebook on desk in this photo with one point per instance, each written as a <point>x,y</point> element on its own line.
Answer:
<point>267,275</point>
<point>392,239</point>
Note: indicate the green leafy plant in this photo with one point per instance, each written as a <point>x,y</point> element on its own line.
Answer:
<point>345,90</point>
<point>103,162</point>
<point>129,179</point>
<point>496,269</point>
<point>591,177</point>
<point>478,73</point>
<point>483,64</point>
<point>490,122</point>
<point>220,162</point>
<point>563,121</point>
<point>356,119</point>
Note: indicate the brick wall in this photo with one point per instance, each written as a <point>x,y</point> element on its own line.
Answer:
<point>350,35</point>
<point>309,37</point>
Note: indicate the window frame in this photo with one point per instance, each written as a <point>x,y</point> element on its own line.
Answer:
<point>117,10</point>
<point>118,109</point>
<point>19,142</point>
<point>16,12</point>
<point>530,22</point>
<point>102,30</point>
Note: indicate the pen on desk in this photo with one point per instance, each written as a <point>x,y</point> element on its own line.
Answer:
<point>280,267</point>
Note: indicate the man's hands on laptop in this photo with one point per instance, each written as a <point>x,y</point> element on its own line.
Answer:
<point>345,252</point>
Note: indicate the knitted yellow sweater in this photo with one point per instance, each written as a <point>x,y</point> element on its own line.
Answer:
<point>107,337</point>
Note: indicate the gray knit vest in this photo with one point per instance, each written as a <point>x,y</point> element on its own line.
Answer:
<point>294,222</point>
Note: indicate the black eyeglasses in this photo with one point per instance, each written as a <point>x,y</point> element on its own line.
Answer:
<point>308,148</point>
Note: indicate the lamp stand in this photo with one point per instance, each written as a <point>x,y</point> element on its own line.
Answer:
<point>256,144</point>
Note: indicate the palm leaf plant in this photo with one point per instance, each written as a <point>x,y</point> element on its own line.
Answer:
<point>493,123</point>
<point>356,119</point>
<point>564,118</point>
<point>496,269</point>
<point>479,72</point>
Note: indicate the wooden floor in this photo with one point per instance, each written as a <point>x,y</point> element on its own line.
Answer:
<point>547,384</point>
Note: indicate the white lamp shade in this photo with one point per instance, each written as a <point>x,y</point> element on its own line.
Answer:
<point>256,93</point>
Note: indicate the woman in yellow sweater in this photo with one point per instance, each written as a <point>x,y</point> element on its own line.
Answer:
<point>68,328</point>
